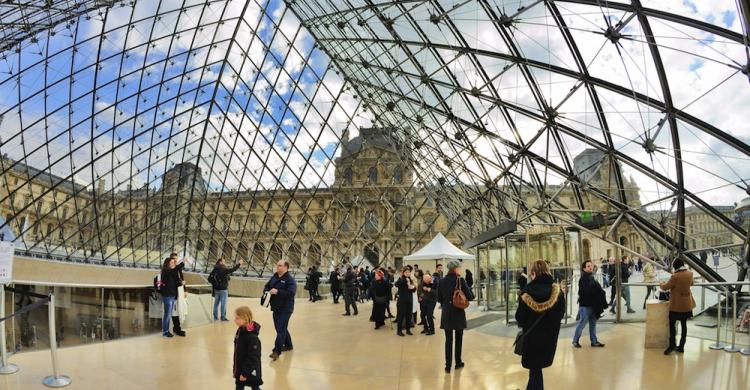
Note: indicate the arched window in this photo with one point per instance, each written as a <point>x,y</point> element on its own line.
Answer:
<point>398,175</point>
<point>372,175</point>
<point>399,222</point>
<point>348,176</point>
<point>371,221</point>
<point>320,223</point>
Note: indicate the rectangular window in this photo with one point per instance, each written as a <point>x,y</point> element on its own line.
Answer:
<point>399,222</point>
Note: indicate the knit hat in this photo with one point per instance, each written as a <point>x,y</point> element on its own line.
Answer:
<point>453,264</point>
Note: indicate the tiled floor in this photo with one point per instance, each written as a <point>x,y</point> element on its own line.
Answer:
<point>334,352</point>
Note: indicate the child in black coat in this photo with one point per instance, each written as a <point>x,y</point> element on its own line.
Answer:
<point>246,370</point>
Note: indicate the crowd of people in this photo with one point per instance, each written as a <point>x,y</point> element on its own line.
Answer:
<point>540,309</point>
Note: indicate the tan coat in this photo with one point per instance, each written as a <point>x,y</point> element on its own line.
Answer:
<point>680,298</point>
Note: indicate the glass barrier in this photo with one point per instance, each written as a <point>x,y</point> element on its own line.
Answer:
<point>85,315</point>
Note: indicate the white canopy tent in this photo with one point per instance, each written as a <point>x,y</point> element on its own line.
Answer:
<point>439,249</point>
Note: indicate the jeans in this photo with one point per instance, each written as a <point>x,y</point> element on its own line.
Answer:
<point>449,345</point>
<point>168,307</point>
<point>350,298</point>
<point>673,331</point>
<point>220,298</point>
<point>336,294</point>
<point>283,338</point>
<point>428,308</point>
<point>536,380</point>
<point>649,290</point>
<point>626,295</point>
<point>585,314</point>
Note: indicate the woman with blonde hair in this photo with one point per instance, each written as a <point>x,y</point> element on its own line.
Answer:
<point>246,368</point>
<point>541,307</point>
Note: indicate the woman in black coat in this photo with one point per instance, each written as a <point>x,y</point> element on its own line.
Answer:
<point>541,297</point>
<point>404,303</point>
<point>453,319</point>
<point>379,291</point>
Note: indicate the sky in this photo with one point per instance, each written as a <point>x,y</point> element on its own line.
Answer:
<point>243,90</point>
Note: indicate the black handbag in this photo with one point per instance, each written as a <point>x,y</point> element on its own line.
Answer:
<point>518,344</point>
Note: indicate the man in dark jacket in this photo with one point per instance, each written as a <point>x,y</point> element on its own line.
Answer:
<point>350,291</point>
<point>333,279</point>
<point>176,327</point>
<point>315,276</point>
<point>542,297</point>
<point>428,300</point>
<point>438,275</point>
<point>591,303</point>
<point>221,286</point>
<point>282,288</point>
<point>624,266</point>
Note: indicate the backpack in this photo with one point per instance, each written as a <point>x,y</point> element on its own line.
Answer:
<point>459,300</point>
<point>214,279</point>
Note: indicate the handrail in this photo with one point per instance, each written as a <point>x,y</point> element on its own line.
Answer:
<point>710,284</point>
<point>88,285</point>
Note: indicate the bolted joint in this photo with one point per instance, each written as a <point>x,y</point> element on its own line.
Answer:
<point>506,21</point>
<point>649,146</point>
<point>612,34</point>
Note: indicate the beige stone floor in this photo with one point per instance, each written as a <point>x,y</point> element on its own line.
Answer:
<point>334,352</point>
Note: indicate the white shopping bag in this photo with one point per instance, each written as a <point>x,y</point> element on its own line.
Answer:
<point>181,305</point>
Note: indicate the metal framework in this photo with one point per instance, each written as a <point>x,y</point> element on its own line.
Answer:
<point>492,99</point>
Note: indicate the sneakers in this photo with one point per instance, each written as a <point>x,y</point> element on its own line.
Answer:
<point>576,344</point>
<point>597,345</point>
<point>168,334</point>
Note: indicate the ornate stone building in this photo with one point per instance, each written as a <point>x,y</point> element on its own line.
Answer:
<point>373,209</point>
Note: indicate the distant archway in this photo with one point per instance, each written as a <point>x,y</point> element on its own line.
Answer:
<point>586,249</point>
<point>372,254</point>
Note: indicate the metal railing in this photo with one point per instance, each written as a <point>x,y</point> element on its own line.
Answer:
<point>55,380</point>
<point>721,288</point>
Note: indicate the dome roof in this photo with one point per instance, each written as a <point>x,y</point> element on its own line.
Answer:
<point>369,137</point>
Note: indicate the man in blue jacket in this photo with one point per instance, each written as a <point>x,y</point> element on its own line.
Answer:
<point>282,287</point>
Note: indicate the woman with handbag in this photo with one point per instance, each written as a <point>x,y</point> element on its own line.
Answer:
<point>379,293</point>
<point>453,295</point>
<point>681,303</point>
<point>541,307</point>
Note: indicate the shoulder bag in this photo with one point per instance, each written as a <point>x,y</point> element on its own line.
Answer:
<point>518,344</point>
<point>459,300</point>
